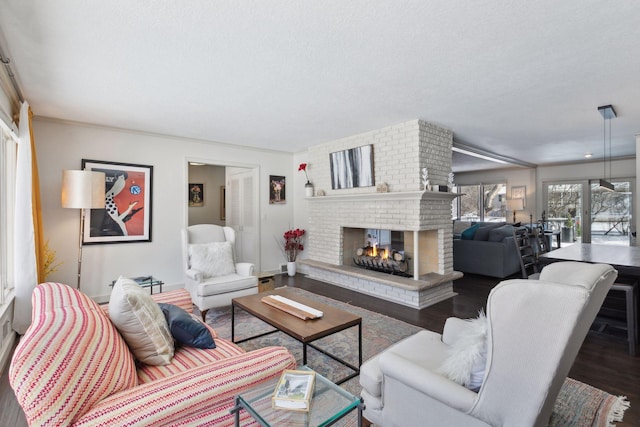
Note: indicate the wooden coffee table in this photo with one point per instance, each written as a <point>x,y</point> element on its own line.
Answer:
<point>305,331</point>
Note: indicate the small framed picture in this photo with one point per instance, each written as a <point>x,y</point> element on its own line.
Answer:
<point>196,195</point>
<point>520,192</point>
<point>277,190</point>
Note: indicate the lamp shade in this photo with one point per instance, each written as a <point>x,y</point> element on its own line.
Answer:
<point>83,189</point>
<point>515,204</point>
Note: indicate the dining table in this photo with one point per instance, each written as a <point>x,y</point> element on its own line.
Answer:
<point>625,259</point>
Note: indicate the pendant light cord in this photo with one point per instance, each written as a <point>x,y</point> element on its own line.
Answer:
<point>610,151</point>
<point>604,148</point>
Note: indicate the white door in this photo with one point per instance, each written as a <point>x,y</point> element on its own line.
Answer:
<point>242,213</point>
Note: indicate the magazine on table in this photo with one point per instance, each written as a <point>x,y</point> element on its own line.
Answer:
<point>294,390</point>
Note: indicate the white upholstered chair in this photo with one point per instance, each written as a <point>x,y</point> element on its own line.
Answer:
<point>534,331</point>
<point>211,274</point>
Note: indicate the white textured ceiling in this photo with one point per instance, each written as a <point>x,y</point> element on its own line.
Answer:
<point>522,79</point>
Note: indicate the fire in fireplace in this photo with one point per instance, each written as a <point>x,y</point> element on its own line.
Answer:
<point>371,258</point>
<point>380,250</point>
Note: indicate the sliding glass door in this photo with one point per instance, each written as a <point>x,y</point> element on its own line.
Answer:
<point>582,211</point>
<point>610,213</point>
<point>565,211</point>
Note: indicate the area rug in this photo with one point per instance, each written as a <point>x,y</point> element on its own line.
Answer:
<point>578,404</point>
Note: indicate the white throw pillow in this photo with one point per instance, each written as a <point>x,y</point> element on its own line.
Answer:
<point>212,259</point>
<point>467,356</point>
<point>141,323</point>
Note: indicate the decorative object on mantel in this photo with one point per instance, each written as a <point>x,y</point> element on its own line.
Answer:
<point>425,180</point>
<point>308,187</point>
<point>320,193</point>
<point>382,188</point>
<point>292,246</point>
<point>450,181</point>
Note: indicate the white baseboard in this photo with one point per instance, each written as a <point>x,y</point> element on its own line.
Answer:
<point>5,352</point>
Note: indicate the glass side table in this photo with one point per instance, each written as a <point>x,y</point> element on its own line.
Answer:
<point>329,404</point>
<point>145,282</point>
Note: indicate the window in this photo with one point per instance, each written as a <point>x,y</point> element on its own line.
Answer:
<point>8,147</point>
<point>484,202</point>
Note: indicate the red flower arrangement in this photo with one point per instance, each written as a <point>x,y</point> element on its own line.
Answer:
<point>303,167</point>
<point>293,244</point>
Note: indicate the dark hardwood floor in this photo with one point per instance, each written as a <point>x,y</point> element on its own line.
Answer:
<point>603,361</point>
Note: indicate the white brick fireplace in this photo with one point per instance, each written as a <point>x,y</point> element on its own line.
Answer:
<point>400,153</point>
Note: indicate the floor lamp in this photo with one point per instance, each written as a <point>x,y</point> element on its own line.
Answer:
<point>82,190</point>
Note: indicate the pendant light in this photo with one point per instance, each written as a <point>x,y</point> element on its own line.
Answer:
<point>607,113</point>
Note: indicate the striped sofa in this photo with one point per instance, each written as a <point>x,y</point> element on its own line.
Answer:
<point>72,368</point>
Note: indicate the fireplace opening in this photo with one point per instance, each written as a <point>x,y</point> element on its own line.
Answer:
<point>377,250</point>
<point>402,253</point>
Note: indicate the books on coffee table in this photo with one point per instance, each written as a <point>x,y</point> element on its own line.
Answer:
<point>294,390</point>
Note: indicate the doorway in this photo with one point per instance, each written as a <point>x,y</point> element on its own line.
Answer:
<point>226,195</point>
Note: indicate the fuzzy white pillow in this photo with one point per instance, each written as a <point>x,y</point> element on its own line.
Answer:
<point>467,356</point>
<point>212,259</point>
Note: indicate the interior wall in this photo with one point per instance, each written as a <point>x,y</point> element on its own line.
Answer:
<point>63,145</point>
<point>213,178</point>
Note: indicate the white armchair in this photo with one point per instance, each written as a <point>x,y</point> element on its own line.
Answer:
<point>212,276</point>
<point>534,331</point>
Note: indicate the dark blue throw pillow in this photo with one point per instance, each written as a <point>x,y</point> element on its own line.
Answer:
<point>185,329</point>
<point>469,232</point>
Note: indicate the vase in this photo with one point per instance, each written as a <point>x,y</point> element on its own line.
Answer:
<point>308,189</point>
<point>291,268</point>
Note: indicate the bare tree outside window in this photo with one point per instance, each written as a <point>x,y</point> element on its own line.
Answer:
<point>564,200</point>
<point>482,202</point>
<point>610,210</point>
<point>494,202</point>
<point>470,203</point>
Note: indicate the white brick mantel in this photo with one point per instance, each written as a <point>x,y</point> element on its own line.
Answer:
<point>400,152</point>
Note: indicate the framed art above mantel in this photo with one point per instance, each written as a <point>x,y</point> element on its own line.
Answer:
<point>352,168</point>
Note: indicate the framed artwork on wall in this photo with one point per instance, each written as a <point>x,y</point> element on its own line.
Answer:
<point>196,195</point>
<point>126,217</point>
<point>520,192</point>
<point>352,168</point>
<point>277,190</point>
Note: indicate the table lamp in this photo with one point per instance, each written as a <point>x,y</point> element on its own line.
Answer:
<point>82,190</point>
<point>515,205</point>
